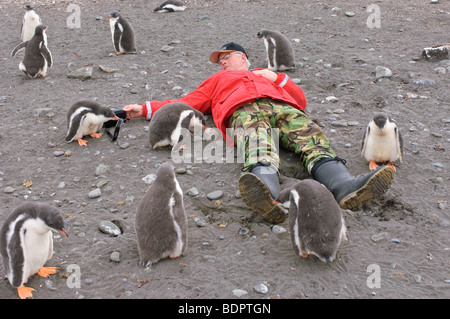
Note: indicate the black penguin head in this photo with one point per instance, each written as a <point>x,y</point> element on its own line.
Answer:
<point>380,120</point>
<point>114,15</point>
<point>40,29</point>
<point>52,218</point>
<point>28,7</point>
<point>261,34</point>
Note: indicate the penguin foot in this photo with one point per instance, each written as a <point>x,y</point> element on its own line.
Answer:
<point>118,53</point>
<point>47,271</point>
<point>392,166</point>
<point>42,75</point>
<point>25,292</point>
<point>304,255</point>
<point>373,165</point>
<point>82,142</point>
<point>96,135</point>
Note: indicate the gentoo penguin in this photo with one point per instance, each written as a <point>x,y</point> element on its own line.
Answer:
<point>167,123</point>
<point>38,57</point>
<point>86,117</point>
<point>122,34</point>
<point>382,142</point>
<point>170,6</point>
<point>160,220</point>
<point>315,219</point>
<point>26,243</point>
<point>280,53</point>
<point>30,21</point>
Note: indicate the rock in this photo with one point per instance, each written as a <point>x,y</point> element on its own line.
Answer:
<point>58,153</point>
<point>115,257</point>
<point>261,288</point>
<point>95,193</point>
<point>378,237</point>
<point>192,191</point>
<point>277,229</point>
<point>395,240</point>
<point>350,14</point>
<point>239,292</point>
<point>84,73</point>
<point>43,112</point>
<point>101,169</point>
<point>437,53</point>
<point>332,99</point>
<point>215,195</point>
<point>108,227</point>
<point>417,279</point>
<point>382,72</point>
<point>9,190</point>
<point>149,179</point>
<point>167,48</point>
<point>200,222</point>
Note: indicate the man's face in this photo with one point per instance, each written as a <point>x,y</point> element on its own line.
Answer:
<point>232,61</point>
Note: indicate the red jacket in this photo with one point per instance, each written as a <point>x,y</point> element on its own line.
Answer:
<point>225,91</point>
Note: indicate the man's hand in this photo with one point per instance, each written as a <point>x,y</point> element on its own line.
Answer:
<point>133,111</point>
<point>269,75</point>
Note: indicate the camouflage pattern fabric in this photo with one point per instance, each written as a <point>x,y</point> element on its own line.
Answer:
<point>261,126</point>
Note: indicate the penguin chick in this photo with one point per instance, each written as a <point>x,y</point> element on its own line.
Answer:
<point>26,243</point>
<point>169,6</point>
<point>122,34</point>
<point>38,57</point>
<point>160,220</point>
<point>280,53</point>
<point>315,219</point>
<point>86,117</point>
<point>382,142</point>
<point>167,123</point>
<point>30,21</point>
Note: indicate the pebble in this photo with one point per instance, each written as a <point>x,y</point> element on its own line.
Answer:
<point>417,279</point>
<point>115,257</point>
<point>382,72</point>
<point>167,48</point>
<point>181,170</point>
<point>149,179</point>
<point>9,190</point>
<point>276,229</point>
<point>395,240</point>
<point>95,193</point>
<point>200,222</point>
<point>243,231</point>
<point>101,169</point>
<point>82,73</point>
<point>108,227</point>
<point>332,99</point>
<point>215,195</point>
<point>58,153</point>
<point>239,292</point>
<point>378,237</point>
<point>261,288</point>
<point>192,191</point>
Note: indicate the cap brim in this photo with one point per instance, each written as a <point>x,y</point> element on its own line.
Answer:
<point>214,57</point>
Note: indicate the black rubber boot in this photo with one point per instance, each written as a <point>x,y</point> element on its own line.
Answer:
<point>351,192</point>
<point>259,187</point>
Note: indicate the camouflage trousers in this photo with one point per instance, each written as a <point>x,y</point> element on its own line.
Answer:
<point>260,127</point>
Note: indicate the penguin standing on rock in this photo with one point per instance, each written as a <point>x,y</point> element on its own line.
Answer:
<point>160,220</point>
<point>122,34</point>
<point>26,243</point>
<point>167,123</point>
<point>315,219</point>
<point>38,57</point>
<point>382,142</point>
<point>86,117</point>
<point>30,21</point>
<point>170,6</point>
<point>280,53</point>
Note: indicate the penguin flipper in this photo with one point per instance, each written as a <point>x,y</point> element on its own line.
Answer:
<point>25,292</point>
<point>47,55</point>
<point>19,47</point>
<point>117,36</point>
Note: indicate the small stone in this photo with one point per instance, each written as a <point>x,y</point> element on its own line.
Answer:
<point>95,193</point>
<point>9,190</point>
<point>278,229</point>
<point>261,288</point>
<point>417,279</point>
<point>378,237</point>
<point>149,179</point>
<point>382,72</point>
<point>350,14</point>
<point>332,99</point>
<point>215,195</point>
<point>192,191</point>
<point>181,170</point>
<point>84,73</point>
<point>239,292</point>
<point>101,169</point>
<point>108,227</point>
<point>58,153</point>
<point>395,240</point>
<point>167,48</point>
<point>200,222</point>
<point>243,231</point>
<point>115,257</point>
<point>124,145</point>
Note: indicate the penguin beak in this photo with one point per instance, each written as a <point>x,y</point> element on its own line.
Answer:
<point>62,232</point>
<point>115,118</point>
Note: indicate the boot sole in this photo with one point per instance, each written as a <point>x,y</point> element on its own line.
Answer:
<point>374,188</point>
<point>257,196</point>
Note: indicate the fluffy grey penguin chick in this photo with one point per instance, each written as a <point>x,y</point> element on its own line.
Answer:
<point>315,220</point>
<point>170,6</point>
<point>382,142</point>
<point>280,53</point>
<point>122,34</point>
<point>38,57</point>
<point>26,243</point>
<point>160,220</point>
<point>167,123</point>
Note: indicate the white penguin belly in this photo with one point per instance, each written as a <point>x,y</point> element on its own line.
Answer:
<point>178,247</point>
<point>31,21</point>
<point>90,124</point>
<point>380,149</point>
<point>38,248</point>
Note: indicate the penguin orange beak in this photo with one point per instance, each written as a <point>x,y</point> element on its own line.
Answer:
<point>62,232</point>
<point>115,118</point>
